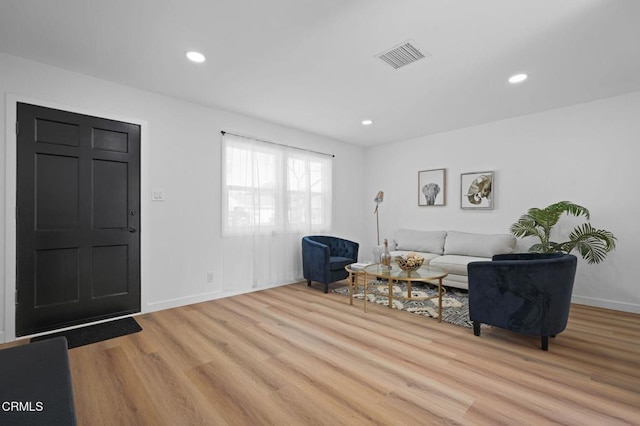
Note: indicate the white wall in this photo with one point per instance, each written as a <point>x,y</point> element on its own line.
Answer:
<point>180,154</point>
<point>586,153</point>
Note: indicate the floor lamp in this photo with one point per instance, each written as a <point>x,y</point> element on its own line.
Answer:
<point>378,200</point>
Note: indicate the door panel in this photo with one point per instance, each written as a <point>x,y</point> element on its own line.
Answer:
<point>110,201</point>
<point>109,271</point>
<point>56,192</point>
<point>57,279</point>
<point>56,133</point>
<point>109,140</point>
<point>78,219</point>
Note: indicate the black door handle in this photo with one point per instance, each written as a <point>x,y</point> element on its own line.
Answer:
<point>132,230</point>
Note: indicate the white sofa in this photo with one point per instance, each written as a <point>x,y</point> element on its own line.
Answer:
<point>451,250</point>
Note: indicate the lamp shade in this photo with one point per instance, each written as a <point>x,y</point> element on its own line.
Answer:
<point>379,197</point>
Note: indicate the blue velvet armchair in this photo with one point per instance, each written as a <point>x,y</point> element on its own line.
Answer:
<point>528,293</point>
<point>324,258</point>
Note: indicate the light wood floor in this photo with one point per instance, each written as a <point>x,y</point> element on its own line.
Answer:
<point>296,356</point>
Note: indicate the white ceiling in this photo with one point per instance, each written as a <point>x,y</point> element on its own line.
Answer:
<point>309,64</point>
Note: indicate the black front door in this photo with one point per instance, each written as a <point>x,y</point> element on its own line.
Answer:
<point>78,219</point>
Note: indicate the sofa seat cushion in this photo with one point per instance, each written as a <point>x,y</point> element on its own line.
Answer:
<point>338,262</point>
<point>480,245</point>
<point>427,256</point>
<point>455,264</point>
<point>456,280</point>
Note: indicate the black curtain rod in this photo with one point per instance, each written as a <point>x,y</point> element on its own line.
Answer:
<point>275,143</point>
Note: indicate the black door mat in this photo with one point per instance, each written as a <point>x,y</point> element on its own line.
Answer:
<point>95,333</point>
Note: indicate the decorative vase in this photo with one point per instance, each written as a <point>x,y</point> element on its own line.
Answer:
<point>385,258</point>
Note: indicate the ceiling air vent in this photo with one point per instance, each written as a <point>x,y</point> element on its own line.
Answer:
<point>403,54</point>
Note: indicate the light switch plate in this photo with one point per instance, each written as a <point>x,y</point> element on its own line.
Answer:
<point>157,195</point>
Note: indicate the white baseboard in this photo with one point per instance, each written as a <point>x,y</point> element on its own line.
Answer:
<point>199,298</point>
<point>607,304</point>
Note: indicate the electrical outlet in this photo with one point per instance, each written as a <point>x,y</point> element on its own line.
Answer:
<point>209,277</point>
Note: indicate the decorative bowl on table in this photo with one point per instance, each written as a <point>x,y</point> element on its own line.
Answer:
<point>410,262</point>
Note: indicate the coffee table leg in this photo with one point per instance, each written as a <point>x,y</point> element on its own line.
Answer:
<point>365,291</point>
<point>390,291</point>
<point>408,289</point>
<point>351,286</point>
<point>440,300</point>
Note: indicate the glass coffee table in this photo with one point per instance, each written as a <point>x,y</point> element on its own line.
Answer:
<point>426,274</point>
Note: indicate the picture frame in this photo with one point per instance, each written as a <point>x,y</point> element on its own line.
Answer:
<point>477,190</point>
<point>432,187</point>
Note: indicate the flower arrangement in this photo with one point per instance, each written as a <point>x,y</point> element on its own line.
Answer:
<point>410,262</point>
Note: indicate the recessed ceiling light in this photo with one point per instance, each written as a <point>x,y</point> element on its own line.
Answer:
<point>196,56</point>
<point>367,122</point>
<point>517,78</point>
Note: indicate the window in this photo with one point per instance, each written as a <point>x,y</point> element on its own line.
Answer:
<point>270,188</point>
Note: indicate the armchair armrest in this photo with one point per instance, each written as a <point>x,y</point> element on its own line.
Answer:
<point>504,276</point>
<point>315,260</point>
<point>316,250</point>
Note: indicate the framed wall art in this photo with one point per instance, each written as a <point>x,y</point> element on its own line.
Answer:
<point>431,187</point>
<point>476,190</point>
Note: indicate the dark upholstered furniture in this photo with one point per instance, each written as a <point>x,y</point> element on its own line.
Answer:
<point>324,258</point>
<point>35,384</point>
<point>528,293</point>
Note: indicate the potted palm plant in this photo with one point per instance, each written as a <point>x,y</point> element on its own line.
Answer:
<point>593,244</point>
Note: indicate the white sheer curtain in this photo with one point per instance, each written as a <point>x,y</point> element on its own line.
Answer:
<point>272,195</point>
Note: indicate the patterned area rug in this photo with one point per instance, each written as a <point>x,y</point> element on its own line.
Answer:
<point>455,302</point>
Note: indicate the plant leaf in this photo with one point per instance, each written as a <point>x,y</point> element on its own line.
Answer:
<point>525,227</point>
<point>593,244</point>
<point>570,208</point>
<point>545,218</point>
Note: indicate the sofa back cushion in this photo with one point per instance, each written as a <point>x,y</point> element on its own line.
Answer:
<point>480,245</point>
<point>422,241</point>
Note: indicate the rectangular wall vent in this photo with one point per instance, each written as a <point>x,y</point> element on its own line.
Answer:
<point>404,54</point>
